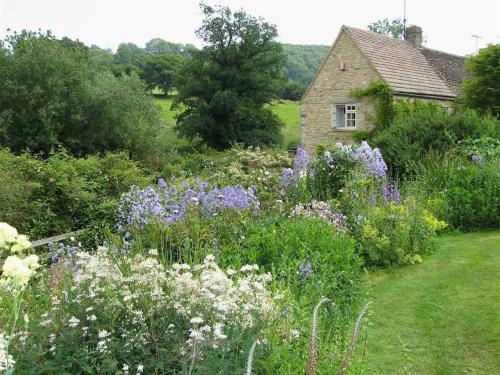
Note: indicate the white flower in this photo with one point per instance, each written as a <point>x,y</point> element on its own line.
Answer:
<point>196,320</point>
<point>249,268</point>
<point>294,333</point>
<point>103,334</point>
<point>6,361</point>
<point>140,369</point>
<point>102,346</point>
<point>153,252</point>
<point>91,318</point>
<point>125,368</point>
<point>73,322</point>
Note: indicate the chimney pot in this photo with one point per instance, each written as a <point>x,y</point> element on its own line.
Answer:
<point>414,35</point>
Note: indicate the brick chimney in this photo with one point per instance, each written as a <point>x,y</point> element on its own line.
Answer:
<point>414,35</point>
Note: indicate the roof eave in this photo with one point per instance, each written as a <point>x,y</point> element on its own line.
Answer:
<point>424,96</point>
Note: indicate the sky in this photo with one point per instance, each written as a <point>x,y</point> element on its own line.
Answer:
<point>447,25</point>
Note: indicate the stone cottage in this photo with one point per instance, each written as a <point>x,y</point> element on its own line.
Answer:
<point>358,57</point>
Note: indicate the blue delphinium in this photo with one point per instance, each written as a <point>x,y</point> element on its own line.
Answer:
<point>169,204</point>
<point>372,160</point>
<point>390,193</point>
<point>305,269</point>
<point>289,176</point>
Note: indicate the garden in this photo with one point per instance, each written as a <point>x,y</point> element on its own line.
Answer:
<point>200,238</point>
<point>249,260</point>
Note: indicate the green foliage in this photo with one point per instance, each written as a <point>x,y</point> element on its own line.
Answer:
<point>160,71</point>
<point>225,86</point>
<point>130,54</point>
<point>52,95</point>
<point>62,193</point>
<point>160,46</point>
<point>288,248</point>
<point>381,94</point>
<point>394,28</point>
<point>303,61</point>
<point>396,233</point>
<point>418,128</point>
<point>293,90</point>
<point>482,90</point>
<point>468,187</point>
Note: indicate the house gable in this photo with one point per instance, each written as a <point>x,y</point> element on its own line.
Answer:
<point>344,69</point>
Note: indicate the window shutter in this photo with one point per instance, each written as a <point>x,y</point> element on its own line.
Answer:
<point>333,112</point>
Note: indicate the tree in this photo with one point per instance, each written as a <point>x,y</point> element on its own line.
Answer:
<point>224,88</point>
<point>482,90</point>
<point>52,95</point>
<point>158,45</point>
<point>293,90</point>
<point>394,28</point>
<point>161,71</point>
<point>101,58</point>
<point>130,53</point>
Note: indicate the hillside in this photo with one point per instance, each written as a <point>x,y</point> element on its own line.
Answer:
<point>303,61</point>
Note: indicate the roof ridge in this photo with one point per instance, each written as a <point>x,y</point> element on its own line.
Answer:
<point>374,33</point>
<point>446,53</point>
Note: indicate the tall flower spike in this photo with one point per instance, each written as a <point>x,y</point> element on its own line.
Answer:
<point>354,339</point>
<point>250,357</point>
<point>311,368</point>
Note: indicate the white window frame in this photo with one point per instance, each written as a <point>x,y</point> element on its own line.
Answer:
<point>343,116</point>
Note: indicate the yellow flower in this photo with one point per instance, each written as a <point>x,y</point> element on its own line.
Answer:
<point>8,234</point>
<point>432,223</point>
<point>19,270</point>
<point>22,243</point>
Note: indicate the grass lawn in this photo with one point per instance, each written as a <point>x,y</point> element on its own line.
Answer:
<point>288,111</point>
<point>438,317</point>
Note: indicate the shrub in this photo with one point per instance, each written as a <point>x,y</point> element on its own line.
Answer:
<point>467,183</point>
<point>389,229</point>
<point>396,233</point>
<point>64,193</point>
<point>52,95</point>
<point>418,128</point>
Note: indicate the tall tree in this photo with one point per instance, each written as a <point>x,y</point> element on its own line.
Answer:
<point>482,90</point>
<point>394,28</point>
<point>224,88</point>
<point>160,71</point>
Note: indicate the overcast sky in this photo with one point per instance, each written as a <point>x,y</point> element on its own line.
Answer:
<point>447,24</point>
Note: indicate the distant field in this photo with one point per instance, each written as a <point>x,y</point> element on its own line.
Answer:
<point>288,111</point>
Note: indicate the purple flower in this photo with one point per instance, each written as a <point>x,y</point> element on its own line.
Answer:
<point>290,176</point>
<point>169,205</point>
<point>371,159</point>
<point>321,210</point>
<point>161,183</point>
<point>390,193</point>
<point>305,269</point>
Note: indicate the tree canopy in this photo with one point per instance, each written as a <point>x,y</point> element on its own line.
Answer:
<point>225,88</point>
<point>394,28</point>
<point>482,90</point>
<point>53,95</point>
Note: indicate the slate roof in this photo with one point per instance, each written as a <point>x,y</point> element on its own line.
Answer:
<point>409,70</point>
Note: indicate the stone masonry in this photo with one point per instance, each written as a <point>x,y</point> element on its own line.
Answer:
<point>332,85</point>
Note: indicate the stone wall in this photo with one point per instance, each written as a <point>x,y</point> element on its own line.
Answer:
<point>333,85</point>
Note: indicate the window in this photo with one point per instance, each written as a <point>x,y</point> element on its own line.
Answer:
<point>344,116</point>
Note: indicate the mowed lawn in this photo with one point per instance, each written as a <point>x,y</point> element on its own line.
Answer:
<point>287,110</point>
<point>438,317</point>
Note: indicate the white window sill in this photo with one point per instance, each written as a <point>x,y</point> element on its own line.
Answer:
<point>345,129</point>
